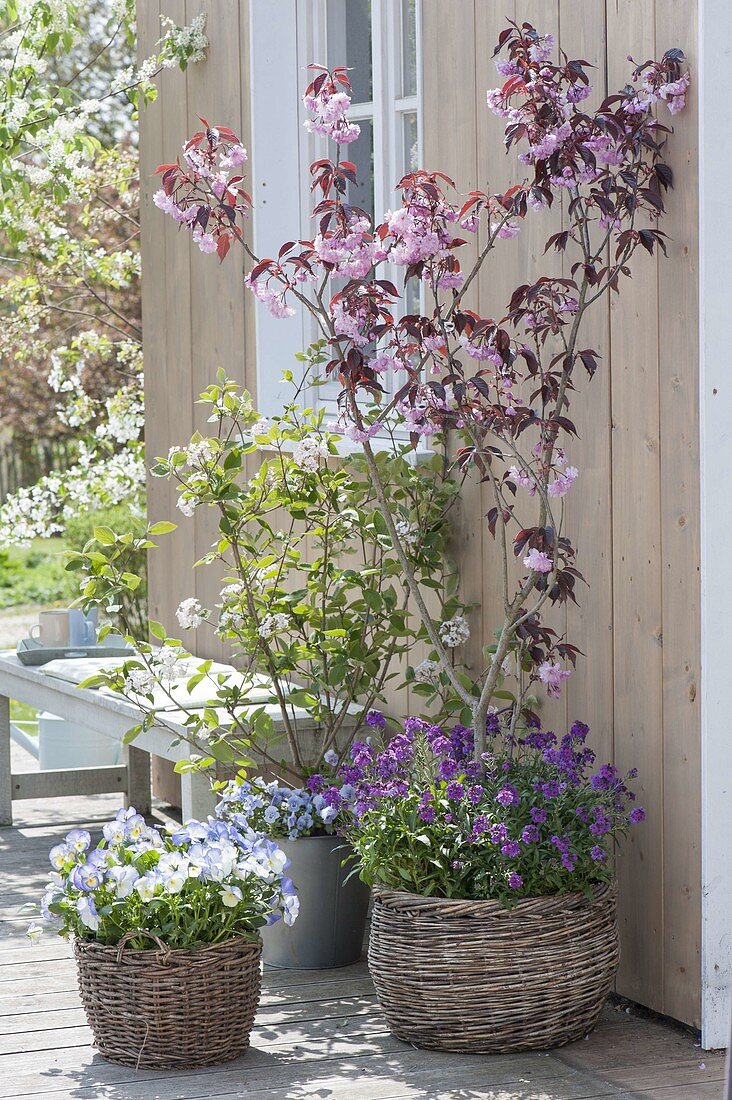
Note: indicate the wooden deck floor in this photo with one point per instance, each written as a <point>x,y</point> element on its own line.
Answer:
<point>317,1035</point>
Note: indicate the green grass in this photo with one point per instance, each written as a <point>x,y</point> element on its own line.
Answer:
<point>35,574</point>
<point>22,714</point>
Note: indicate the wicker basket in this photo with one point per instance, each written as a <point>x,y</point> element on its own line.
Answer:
<point>472,976</point>
<point>170,1009</point>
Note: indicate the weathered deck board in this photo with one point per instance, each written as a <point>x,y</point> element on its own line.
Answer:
<point>317,1034</point>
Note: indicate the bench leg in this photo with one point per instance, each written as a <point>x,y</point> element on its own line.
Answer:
<point>6,778</point>
<point>197,798</point>
<point>139,792</point>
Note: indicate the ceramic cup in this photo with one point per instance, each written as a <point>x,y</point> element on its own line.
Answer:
<point>64,627</point>
<point>82,630</point>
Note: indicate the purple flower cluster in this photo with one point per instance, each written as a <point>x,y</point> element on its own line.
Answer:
<point>428,817</point>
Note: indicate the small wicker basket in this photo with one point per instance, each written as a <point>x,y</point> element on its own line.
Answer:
<point>170,1009</point>
<point>473,976</point>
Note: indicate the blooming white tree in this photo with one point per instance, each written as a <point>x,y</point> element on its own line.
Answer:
<point>69,233</point>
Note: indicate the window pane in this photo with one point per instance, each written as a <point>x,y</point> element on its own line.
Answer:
<point>349,43</point>
<point>409,47</point>
<point>410,139</point>
<point>361,153</point>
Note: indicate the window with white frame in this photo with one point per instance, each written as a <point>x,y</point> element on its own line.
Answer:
<point>379,41</point>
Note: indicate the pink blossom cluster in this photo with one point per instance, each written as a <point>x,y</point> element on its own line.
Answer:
<point>273,299</point>
<point>563,482</point>
<point>419,234</point>
<point>350,249</point>
<point>327,98</point>
<point>568,148</point>
<point>560,480</point>
<point>553,675</point>
<point>201,194</point>
<point>657,86</point>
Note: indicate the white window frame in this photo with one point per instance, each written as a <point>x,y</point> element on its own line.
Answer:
<point>285,35</point>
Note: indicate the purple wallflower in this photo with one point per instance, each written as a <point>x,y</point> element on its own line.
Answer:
<point>511,848</point>
<point>530,834</point>
<point>515,881</point>
<point>602,824</point>
<point>426,813</point>
<point>376,720</point>
<point>579,730</point>
<point>448,768</point>
<point>538,815</point>
<point>455,790</point>
<point>598,854</point>
<point>315,783</point>
<point>475,793</point>
<point>498,833</point>
<point>637,815</point>
<point>492,724</point>
<point>508,796</point>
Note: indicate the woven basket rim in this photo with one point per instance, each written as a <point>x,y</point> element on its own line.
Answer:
<point>174,953</point>
<point>600,892</point>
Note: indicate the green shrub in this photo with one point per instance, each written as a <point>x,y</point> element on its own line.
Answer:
<point>80,531</point>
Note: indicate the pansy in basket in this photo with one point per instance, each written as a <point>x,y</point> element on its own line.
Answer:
<point>286,812</point>
<point>197,883</point>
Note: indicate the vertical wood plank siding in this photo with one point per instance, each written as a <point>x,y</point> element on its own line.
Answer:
<point>633,513</point>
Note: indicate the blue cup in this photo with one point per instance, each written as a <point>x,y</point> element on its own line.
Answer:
<point>82,630</point>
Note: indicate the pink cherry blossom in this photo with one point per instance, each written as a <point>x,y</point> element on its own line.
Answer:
<point>538,561</point>
<point>274,300</point>
<point>553,676</point>
<point>563,482</point>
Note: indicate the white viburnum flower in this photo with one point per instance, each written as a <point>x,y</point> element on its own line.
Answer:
<point>409,534</point>
<point>308,452</point>
<point>427,672</point>
<point>454,631</point>
<point>190,613</point>
<point>273,624</point>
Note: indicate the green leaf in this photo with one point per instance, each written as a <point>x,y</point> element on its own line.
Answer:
<point>105,535</point>
<point>162,527</point>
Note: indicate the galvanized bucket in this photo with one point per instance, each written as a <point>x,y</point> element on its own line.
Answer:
<point>329,930</point>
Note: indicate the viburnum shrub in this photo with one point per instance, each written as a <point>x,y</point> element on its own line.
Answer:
<point>310,602</point>
<point>501,381</point>
<point>431,819</point>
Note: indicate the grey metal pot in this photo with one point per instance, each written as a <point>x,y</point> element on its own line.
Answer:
<point>330,927</point>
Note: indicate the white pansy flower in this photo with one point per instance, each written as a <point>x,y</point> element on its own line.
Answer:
<point>231,896</point>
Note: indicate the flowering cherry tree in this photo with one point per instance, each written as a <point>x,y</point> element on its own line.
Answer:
<point>500,382</point>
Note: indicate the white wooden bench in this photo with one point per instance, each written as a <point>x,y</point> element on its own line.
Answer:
<point>111,716</point>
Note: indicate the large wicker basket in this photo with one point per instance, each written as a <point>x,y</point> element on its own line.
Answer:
<point>474,976</point>
<point>170,1009</point>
